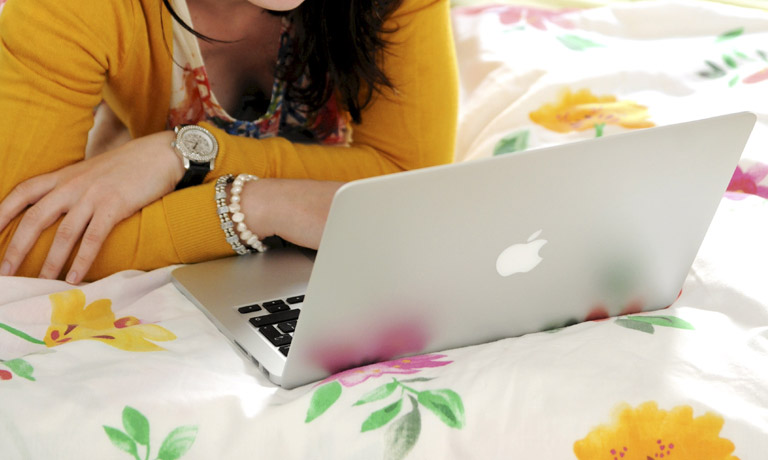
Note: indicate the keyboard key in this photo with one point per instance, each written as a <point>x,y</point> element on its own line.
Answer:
<point>274,336</point>
<point>249,308</point>
<point>274,302</point>
<point>275,318</point>
<point>274,306</point>
<point>286,327</point>
<point>293,300</point>
<point>284,349</point>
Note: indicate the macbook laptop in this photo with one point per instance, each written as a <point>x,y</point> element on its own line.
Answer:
<point>468,253</point>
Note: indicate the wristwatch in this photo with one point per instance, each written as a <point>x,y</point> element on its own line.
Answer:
<point>197,148</point>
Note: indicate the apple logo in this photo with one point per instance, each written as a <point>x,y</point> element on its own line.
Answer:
<point>520,258</point>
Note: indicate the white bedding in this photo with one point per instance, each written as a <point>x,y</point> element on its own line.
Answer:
<point>127,367</point>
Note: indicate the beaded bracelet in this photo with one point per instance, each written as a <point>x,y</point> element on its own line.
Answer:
<point>223,211</point>
<point>238,217</point>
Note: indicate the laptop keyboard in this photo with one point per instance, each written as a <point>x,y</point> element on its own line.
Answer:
<point>279,322</point>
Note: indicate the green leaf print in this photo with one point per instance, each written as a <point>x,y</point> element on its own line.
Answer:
<point>577,43</point>
<point>122,441</point>
<point>322,399</point>
<point>511,143</point>
<point>403,433</point>
<point>446,404</point>
<point>378,394</point>
<point>665,321</point>
<point>730,61</point>
<point>21,368</point>
<point>741,55</point>
<point>715,71</point>
<point>417,379</point>
<point>730,35</point>
<point>136,425</point>
<point>636,325</point>
<point>21,335</point>
<point>177,443</point>
<point>646,323</point>
<point>382,416</point>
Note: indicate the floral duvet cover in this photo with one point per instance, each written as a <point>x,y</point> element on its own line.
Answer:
<point>127,367</point>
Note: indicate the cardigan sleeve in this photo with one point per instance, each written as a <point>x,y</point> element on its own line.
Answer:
<point>54,68</point>
<point>55,60</point>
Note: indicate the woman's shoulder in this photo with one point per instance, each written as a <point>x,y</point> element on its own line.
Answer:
<point>91,17</point>
<point>100,27</point>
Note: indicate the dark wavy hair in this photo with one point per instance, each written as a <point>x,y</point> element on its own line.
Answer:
<point>339,45</point>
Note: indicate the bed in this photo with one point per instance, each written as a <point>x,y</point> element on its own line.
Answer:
<point>127,367</point>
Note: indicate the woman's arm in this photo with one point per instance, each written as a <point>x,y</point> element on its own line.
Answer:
<point>54,61</point>
<point>293,209</point>
<point>58,86</point>
<point>411,127</point>
<point>92,196</point>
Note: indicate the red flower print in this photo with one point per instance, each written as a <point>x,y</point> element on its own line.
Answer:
<point>597,314</point>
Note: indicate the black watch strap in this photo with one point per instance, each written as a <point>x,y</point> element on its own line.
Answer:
<point>194,175</point>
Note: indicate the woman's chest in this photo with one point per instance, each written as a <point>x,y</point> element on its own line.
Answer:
<point>243,69</point>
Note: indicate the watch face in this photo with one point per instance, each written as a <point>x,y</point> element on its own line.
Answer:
<point>197,144</point>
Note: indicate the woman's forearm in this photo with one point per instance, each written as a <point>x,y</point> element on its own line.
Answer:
<point>293,209</point>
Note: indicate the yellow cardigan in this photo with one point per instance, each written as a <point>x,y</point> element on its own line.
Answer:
<point>59,59</point>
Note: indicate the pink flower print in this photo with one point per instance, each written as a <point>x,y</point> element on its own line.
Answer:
<point>410,365</point>
<point>535,17</point>
<point>748,182</point>
<point>757,77</point>
<point>471,10</point>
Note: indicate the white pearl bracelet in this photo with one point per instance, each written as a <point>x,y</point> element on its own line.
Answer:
<point>223,212</point>
<point>248,237</point>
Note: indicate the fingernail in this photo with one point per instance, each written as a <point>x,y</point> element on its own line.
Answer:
<point>5,268</point>
<point>71,277</point>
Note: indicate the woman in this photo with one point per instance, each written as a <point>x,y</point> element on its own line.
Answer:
<point>365,88</point>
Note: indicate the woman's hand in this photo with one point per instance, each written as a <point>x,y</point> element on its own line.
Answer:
<point>93,195</point>
<point>293,209</point>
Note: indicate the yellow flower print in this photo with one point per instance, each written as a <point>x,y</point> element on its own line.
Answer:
<point>72,320</point>
<point>648,433</point>
<point>583,110</point>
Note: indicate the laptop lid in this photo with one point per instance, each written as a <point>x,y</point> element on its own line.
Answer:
<point>468,253</point>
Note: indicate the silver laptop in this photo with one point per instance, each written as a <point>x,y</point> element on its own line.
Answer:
<point>468,253</point>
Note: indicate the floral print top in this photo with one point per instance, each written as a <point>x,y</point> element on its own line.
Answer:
<point>193,101</point>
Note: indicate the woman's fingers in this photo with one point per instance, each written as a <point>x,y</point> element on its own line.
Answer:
<point>87,219</point>
<point>67,234</point>
<point>23,195</point>
<point>37,218</point>
<point>93,238</point>
<point>98,193</point>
